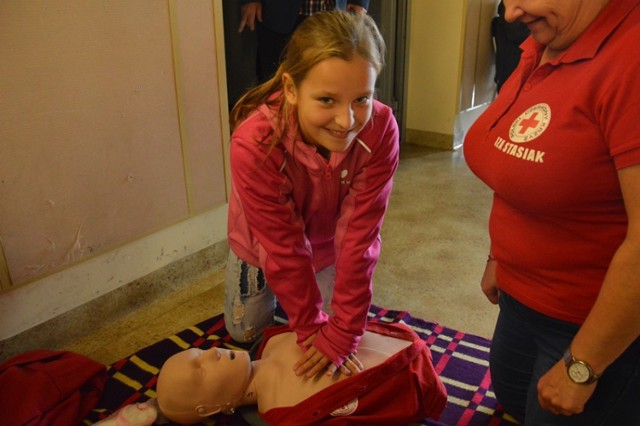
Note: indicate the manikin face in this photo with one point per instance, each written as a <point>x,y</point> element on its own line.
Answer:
<point>210,378</point>
<point>554,23</point>
<point>334,101</point>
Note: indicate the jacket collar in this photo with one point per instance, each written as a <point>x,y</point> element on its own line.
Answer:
<point>295,145</point>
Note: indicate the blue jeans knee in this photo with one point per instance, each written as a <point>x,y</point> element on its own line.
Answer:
<point>249,304</point>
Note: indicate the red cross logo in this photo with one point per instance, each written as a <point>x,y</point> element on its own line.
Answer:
<point>529,123</point>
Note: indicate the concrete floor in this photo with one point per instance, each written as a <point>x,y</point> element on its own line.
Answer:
<point>434,250</point>
<point>435,242</point>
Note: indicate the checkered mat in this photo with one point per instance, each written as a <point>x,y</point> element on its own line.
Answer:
<point>460,359</point>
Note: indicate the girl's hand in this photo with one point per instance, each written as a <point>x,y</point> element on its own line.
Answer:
<point>314,362</point>
<point>351,365</point>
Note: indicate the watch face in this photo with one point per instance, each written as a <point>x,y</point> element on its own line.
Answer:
<point>579,372</point>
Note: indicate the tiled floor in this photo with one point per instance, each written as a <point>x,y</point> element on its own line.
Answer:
<point>433,254</point>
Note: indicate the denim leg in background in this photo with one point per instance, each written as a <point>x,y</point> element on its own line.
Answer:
<point>249,303</point>
<point>526,344</point>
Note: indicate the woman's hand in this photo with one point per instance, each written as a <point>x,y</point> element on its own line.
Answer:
<point>558,394</point>
<point>488,283</point>
<point>314,362</point>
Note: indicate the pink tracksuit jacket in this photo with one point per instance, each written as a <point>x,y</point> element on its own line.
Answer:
<point>292,212</point>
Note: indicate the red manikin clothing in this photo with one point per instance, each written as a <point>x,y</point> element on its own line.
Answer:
<point>403,389</point>
<point>49,388</point>
<point>550,146</point>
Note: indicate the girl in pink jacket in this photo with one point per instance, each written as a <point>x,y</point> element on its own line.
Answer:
<point>312,161</point>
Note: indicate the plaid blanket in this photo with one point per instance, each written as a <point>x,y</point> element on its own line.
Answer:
<point>460,359</point>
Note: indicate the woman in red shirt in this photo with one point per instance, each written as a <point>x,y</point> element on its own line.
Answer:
<point>560,147</point>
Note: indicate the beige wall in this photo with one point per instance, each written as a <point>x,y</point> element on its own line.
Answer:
<point>478,66</point>
<point>112,146</point>
<point>450,65</point>
<point>435,40</point>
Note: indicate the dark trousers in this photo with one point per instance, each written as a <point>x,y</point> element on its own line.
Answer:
<point>526,344</point>
<point>270,47</point>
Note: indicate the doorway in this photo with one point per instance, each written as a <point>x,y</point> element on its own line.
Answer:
<point>391,17</point>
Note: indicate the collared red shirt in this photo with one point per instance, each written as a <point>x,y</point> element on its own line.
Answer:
<point>550,146</point>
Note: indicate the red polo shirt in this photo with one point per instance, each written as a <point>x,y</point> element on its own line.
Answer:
<point>550,146</point>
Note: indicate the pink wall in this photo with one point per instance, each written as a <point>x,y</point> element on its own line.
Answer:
<point>110,126</point>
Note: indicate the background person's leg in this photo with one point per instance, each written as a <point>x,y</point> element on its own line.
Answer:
<point>270,45</point>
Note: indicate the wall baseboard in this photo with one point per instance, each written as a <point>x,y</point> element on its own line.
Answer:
<point>40,301</point>
<point>83,320</point>
<point>429,139</point>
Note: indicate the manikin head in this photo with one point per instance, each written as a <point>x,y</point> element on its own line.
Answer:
<point>193,384</point>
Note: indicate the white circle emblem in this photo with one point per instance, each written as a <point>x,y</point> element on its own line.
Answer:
<point>530,124</point>
<point>346,409</point>
<point>344,173</point>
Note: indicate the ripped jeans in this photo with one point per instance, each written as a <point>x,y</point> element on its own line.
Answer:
<point>249,303</point>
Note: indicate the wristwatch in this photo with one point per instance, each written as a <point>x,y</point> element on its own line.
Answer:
<point>579,371</point>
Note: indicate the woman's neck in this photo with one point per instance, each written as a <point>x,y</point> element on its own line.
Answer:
<point>549,55</point>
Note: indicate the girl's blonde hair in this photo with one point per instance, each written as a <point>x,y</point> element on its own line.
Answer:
<point>322,36</point>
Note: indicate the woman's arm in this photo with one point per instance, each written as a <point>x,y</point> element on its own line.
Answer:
<point>613,323</point>
<point>488,283</point>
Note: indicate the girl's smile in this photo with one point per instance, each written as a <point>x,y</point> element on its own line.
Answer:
<point>334,101</point>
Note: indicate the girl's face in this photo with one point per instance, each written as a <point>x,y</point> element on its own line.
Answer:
<point>554,23</point>
<point>333,102</point>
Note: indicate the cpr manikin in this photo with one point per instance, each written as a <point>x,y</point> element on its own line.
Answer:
<point>398,383</point>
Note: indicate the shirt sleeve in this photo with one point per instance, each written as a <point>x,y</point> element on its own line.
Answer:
<point>284,252</point>
<point>619,114</point>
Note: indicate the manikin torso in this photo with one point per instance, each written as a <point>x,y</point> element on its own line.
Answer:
<point>279,386</point>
